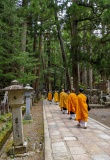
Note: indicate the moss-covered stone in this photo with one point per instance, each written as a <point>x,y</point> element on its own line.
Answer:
<point>4,135</point>
<point>8,147</point>
<point>6,117</point>
<point>6,126</point>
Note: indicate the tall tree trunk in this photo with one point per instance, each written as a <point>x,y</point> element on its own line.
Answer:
<point>74,53</point>
<point>49,60</point>
<point>90,71</point>
<point>79,78</point>
<point>37,49</point>
<point>39,61</point>
<point>23,41</point>
<point>90,78</point>
<point>84,78</point>
<point>24,33</point>
<point>44,65</point>
<point>35,43</point>
<point>68,80</point>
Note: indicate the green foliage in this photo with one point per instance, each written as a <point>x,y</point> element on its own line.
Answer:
<point>27,121</point>
<point>82,86</point>
<point>3,118</point>
<point>92,49</point>
<point>26,78</point>
<point>9,39</point>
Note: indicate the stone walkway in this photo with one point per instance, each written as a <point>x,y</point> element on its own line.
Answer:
<point>65,141</point>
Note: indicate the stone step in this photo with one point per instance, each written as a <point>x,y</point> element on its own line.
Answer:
<point>97,106</point>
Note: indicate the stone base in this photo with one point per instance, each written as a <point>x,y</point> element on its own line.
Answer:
<point>20,149</point>
<point>107,104</point>
<point>27,117</point>
<point>97,105</point>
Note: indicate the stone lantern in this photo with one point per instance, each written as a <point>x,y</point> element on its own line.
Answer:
<point>16,99</point>
<point>28,92</point>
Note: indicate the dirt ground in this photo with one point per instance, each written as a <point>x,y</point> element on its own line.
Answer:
<point>101,114</point>
<point>33,134</point>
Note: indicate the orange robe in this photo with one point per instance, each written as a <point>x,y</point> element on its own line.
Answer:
<point>72,103</point>
<point>82,112</point>
<point>49,97</point>
<point>61,100</point>
<point>65,100</point>
<point>56,97</point>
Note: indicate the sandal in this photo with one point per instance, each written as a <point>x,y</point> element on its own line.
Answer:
<point>78,125</point>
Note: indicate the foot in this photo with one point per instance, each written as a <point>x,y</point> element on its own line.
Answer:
<point>85,127</point>
<point>66,112</point>
<point>70,117</point>
<point>78,125</point>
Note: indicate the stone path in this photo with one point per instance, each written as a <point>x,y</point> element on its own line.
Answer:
<point>65,141</point>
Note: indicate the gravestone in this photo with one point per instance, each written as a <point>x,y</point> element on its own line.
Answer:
<point>108,87</point>
<point>96,99</point>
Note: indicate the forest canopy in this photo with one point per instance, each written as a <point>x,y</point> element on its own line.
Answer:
<point>47,42</point>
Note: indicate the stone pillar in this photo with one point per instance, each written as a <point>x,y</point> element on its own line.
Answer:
<point>101,97</point>
<point>6,102</point>
<point>2,108</point>
<point>28,92</point>
<point>17,126</point>
<point>27,116</point>
<point>16,99</point>
<point>31,97</point>
<point>108,87</point>
<point>101,94</point>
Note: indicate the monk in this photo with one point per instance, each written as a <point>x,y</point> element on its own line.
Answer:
<point>61,100</point>
<point>72,104</point>
<point>82,112</point>
<point>65,102</point>
<point>49,96</point>
<point>56,97</point>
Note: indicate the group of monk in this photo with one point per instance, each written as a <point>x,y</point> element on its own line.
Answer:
<point>50,97</point>
<point>76,106</point>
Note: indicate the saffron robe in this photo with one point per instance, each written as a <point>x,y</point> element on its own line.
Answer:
<point>61,100</point>
<point>56,97</point>
<point>82,112</point>
<point>65,100</point>
<point>49,97</point>
<point>72,103</point>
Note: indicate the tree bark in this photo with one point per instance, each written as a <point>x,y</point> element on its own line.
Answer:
<point>90,78</point>
<point>84,78</point>
<point>24,33</point>
<point>39,60</point>
<point>79,78</point>
<point>74,53</point>
<point>68,80</point>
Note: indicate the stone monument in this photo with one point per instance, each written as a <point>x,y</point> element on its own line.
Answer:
<point>16,99</point>
<point>28,92</point>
